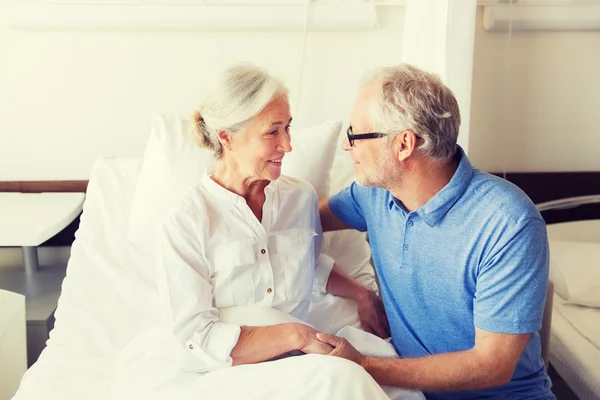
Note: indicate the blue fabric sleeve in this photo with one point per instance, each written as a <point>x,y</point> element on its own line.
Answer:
<point>348,206</point>
<point>512,281</point>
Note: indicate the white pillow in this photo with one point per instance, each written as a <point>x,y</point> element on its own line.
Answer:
<point>313,151</point>
<point>349,248</point>
<point>173,163</point>
<point>575,271</point>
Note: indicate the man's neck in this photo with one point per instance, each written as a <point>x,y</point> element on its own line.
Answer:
<point>422,181</point>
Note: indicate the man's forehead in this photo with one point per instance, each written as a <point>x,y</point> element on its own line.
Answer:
<point>361,111</point>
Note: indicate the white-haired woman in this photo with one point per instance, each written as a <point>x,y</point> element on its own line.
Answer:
<point>248,236</point>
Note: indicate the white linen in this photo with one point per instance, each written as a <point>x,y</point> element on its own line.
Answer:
<point>585,319</point>
<point>349,248</point>
<point>575,231</point>
<point>302,377</point>
<point>575,271</point>
<point>312,155</point>
<point>574,357</point>
<point>214,253</point>
<point>173,163</point>
<point>109,297</point>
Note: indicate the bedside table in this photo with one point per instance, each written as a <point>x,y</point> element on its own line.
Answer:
<point>26,221</point>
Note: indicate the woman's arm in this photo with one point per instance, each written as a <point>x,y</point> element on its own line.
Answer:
<point>257,344</point>
<point>371,311</point>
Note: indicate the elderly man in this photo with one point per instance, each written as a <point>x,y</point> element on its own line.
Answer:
<point>461,255</point>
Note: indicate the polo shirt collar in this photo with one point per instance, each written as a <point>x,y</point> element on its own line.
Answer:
<point>435,209</point>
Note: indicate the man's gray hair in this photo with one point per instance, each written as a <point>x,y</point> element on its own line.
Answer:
<point>239,94</point>
<point>412,99</point>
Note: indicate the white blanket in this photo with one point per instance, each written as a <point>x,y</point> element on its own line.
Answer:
<point>109,297</point>
<point>146,371</point>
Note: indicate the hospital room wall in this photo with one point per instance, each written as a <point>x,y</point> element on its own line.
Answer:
<point>66,97</point>
<point>74,96</point>
<point>535,101</point>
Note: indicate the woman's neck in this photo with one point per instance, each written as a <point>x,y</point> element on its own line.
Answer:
<point>231,178</point>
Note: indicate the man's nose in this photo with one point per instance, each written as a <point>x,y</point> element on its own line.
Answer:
<point>346,144</point>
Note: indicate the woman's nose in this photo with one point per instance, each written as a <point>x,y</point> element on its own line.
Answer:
<point>286,143</point>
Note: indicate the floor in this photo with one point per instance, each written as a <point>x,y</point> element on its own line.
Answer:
<point>560,389</point>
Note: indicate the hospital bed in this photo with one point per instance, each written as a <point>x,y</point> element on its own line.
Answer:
<point>108,296</point>
<point>574,349</point>
<point>575,340</point>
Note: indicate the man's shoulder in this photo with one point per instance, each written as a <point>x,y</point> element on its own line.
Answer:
<point>375,196</point>
<point>494,193</point>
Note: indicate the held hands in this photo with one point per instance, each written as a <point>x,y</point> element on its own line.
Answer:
<point>310,341</point>
<point>305,340</point>
<point>372,314</point>
<point>343,349</point>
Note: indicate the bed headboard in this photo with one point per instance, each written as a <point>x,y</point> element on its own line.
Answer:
<point>547,186</point>
<point>539,186</point>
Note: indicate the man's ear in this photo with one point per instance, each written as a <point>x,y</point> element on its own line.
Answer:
<point>405,144</point>
<point>225,139</point>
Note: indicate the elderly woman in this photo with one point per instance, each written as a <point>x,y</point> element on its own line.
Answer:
<point>246,235</point>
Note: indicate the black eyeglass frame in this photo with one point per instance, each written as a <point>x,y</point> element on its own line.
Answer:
<point>359,136</point>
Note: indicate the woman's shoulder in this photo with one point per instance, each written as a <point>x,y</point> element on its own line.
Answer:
<point>191,205</point>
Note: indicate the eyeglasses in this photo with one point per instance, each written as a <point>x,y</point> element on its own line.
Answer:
<point>373,135</point>
<point>352,137</point>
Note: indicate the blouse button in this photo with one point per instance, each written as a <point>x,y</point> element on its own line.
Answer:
<point>263,251</point>
<point>191,347</point>
<point>269,290</point>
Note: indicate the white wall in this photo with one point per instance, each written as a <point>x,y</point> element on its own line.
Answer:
<point>536,101</point>
<point>73,96</point>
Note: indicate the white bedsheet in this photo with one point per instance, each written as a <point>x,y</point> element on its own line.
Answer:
<point>109,297</point>
<point>146,370</point>
<point>574,357</point>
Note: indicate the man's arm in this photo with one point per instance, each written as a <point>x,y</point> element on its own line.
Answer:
<point>491,362</point>
<point>329,221</point>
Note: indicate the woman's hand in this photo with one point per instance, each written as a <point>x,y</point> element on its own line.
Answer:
<point>304,338</point>
<point>372,314</point>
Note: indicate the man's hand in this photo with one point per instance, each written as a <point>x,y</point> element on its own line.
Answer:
<point>372,314</point>
<point>342,348</point>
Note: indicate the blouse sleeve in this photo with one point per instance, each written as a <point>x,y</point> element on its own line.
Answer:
<point>204,342</point>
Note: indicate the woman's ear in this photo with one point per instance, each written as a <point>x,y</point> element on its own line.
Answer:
<point>225,139</point>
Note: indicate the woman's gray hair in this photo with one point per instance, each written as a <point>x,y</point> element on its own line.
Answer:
<point>412,99</point>
<point>239,94</point>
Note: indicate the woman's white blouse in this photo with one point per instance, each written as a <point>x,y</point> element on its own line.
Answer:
<point>214,253</point>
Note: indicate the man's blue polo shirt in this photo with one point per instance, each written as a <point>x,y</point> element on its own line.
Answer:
<point>475,255</point>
